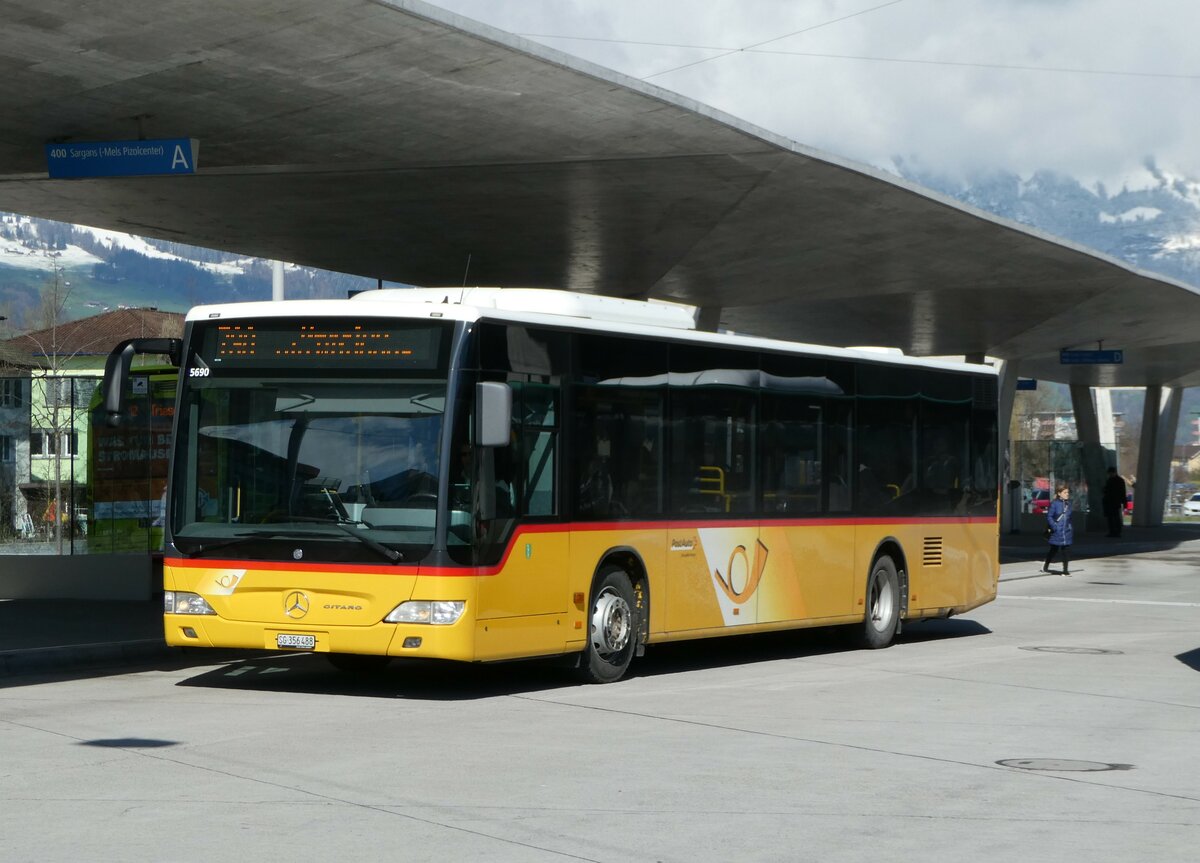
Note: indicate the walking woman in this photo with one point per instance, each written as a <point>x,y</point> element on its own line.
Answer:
<point>1059,532</point>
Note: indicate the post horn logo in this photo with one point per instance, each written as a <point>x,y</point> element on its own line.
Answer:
<point>751,575</point>
<point>295,604</point>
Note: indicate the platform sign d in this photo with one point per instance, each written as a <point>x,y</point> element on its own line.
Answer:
<point>1094,358</point>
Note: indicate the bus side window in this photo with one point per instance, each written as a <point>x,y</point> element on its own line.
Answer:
<point>616,463</point>
<point>535,427</point>
<point>792,457</point>
<point>839,493</point>
<point>714,400</point>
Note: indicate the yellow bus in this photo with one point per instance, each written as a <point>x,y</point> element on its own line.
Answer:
<point>485,474</point>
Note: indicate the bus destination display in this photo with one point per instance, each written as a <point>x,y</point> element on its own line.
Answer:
<point>327,344</point>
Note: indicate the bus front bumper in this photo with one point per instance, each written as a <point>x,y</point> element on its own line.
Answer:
<point>424,641</point>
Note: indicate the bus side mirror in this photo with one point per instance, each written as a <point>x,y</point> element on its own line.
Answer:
<point>116,370</point>
<point>493,413</point>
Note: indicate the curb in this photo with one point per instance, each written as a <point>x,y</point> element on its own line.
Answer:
<point>43,660</point>
<point>1080,551</point>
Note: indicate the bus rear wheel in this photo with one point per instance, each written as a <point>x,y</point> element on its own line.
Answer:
<point>612,628</point>
<point>882,605</point>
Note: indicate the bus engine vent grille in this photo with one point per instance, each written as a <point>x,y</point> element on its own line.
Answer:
<point>932,552</point>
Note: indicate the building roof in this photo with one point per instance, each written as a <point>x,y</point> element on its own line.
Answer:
<point>394,139</point>
<point>91,336</point>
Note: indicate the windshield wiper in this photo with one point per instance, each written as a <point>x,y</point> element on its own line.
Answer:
<point>304,400</point>
<point>390,553</point>
<point>419,401</point>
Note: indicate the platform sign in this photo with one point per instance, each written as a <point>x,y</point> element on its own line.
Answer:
<point>1093,358</point>
<point>78,160</point>
<point>1026,383</point>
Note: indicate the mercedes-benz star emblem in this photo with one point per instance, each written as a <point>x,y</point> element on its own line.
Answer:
<point>295,604</point>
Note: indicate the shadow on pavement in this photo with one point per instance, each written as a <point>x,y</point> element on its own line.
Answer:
<point>109,661</point>
<point>432,680</point>
<point>939,630</point>
<point>1191,659</point>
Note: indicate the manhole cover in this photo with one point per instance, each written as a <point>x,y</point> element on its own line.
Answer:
<point>1085,651</point>
<point>1061,765</point>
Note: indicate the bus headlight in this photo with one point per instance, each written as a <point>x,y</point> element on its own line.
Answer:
<point>179,602</point>
<point>438,612</point>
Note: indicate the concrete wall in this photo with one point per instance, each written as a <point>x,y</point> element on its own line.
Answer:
<point>95,576</point>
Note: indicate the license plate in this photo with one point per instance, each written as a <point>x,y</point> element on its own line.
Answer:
<point>295,642</point>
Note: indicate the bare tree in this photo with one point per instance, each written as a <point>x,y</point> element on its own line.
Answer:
<point>54,414</point>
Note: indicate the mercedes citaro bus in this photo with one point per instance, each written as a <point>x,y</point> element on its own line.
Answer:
<point>485,474</point>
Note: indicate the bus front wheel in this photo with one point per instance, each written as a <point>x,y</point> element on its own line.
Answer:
<point>612,628</point>
<point>882,605</point>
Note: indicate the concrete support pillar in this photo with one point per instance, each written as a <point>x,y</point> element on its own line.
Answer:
<point>1092,455</point>
<point>1160,416</point>
<point>1010,499</point>
<point>1104,416</point>
<point>708,319</point>
<point>277,281</point>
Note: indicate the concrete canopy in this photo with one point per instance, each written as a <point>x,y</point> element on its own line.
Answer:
<point>392,139</point>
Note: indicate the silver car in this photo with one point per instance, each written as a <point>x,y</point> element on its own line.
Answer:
<point>1191,506</point>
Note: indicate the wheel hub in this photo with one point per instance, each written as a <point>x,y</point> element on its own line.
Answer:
<point>880,602</point>
<point>611,619</point>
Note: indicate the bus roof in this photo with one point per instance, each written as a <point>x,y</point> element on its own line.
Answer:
<point>547,307</point>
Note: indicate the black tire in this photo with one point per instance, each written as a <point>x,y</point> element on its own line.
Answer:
<point>358,663</point>
<point>613,627</point>
<point>882,613</point>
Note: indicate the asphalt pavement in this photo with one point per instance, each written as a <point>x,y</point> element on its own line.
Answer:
<point>48,636</point>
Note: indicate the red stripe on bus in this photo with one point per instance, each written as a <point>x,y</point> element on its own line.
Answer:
<point>578,527</point>
<point>781,522</point>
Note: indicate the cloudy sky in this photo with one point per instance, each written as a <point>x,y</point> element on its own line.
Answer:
<point>1087,87</point>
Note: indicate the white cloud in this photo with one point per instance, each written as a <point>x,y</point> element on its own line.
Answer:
<point>1137,214</point>
<point>956,85</point>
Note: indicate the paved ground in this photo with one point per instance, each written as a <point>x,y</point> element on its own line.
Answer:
<point>1060,722</point>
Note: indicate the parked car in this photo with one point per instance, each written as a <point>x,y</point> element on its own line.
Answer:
<point>1041,501</point>
<point>1191,506</point>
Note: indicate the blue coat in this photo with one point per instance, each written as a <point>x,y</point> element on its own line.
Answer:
<point>1062,533</point>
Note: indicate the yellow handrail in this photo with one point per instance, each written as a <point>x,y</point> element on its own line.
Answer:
<point>714,476</point>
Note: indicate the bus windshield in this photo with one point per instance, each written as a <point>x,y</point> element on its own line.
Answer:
<point>334,467</point>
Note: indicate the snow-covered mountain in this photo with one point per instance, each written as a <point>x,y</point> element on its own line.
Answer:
<point>100,269</point>
<point>1152,222</point>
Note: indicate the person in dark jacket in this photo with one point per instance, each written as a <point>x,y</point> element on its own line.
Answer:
<point>1114,501</point>
<point>1062,534</point>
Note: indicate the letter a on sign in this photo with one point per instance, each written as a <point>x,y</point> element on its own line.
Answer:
<point>180,159</point>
